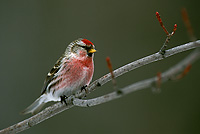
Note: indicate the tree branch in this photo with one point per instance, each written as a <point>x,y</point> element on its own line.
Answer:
<point>166,76</point>
<point>58,107</point>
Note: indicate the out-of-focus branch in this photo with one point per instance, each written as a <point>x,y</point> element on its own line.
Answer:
<point>188,25</point>
<point>58,107</point>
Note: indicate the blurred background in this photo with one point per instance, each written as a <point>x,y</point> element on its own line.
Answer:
<point>35,33</point>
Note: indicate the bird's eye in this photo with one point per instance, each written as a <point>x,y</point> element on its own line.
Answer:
<point>86,47</point>
<point>83,46</point>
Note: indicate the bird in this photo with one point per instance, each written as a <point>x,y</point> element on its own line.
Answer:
<point>72,72</point>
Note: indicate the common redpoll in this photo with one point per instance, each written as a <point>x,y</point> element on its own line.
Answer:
<point>71,73</point>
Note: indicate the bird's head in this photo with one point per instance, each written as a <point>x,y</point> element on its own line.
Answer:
<point>81,47</point>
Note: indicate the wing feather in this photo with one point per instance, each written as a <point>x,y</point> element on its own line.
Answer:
<point>51,75</point>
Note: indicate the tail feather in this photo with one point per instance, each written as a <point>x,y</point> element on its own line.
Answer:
<point>35,107</point>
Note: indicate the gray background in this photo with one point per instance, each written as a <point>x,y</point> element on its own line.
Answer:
<point>34,34</point>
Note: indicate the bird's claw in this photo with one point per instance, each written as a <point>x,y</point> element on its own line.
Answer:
<point>63,99</point>
<point>84,88</point>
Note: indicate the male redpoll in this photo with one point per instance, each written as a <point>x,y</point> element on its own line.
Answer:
<point>71,73</point>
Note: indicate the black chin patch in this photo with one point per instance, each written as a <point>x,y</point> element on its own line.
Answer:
<point>90,54</point>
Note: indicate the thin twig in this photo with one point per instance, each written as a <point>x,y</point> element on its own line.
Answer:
<point>161,23</point>
<point>111,72</point>
<point>169,35</point>
<point>188,25</point>
<point>58,107</point>
<point>157,86</point>
<point>185,71</point>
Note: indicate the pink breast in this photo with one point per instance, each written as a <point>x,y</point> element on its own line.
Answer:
<point>76,73</point>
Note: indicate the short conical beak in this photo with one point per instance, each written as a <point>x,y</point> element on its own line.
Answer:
<point>92,50</point>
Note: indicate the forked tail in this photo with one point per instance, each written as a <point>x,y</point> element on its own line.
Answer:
<point>35,107</point>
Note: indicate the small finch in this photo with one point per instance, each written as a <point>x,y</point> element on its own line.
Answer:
<point>71,73</point>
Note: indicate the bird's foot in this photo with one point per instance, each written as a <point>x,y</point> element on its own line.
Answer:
<point>63,99</point>
<point>84,88</point>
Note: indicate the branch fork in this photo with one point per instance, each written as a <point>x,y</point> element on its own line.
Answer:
<point>169,35</point>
